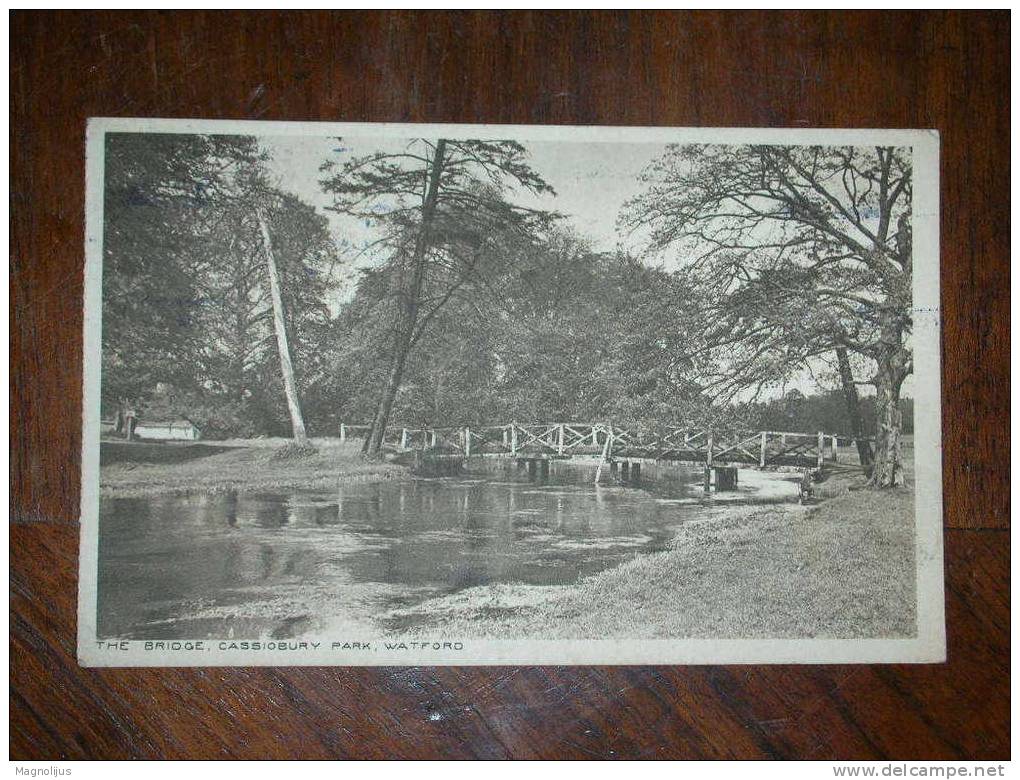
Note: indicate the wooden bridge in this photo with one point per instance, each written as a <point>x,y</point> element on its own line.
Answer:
<point>611,443</point>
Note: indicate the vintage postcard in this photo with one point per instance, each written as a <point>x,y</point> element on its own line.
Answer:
<point>394,394</point>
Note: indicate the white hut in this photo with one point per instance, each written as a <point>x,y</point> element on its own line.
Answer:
<point>173,430</point>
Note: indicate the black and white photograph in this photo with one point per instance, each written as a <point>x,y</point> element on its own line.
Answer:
<point>447,394</point>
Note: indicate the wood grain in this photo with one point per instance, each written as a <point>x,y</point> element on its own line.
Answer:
<point>944,70</point>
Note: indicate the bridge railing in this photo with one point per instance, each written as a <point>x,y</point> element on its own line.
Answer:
<point>680,443</point>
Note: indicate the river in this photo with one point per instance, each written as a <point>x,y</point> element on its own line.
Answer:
<point>255,564</point>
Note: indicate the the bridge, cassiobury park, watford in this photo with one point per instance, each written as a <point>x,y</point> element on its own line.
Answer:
<point>623,449</point>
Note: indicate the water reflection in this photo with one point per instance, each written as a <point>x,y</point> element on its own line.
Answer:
<point>167,561</point>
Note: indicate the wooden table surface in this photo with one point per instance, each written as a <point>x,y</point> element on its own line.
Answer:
<point>944,70</point>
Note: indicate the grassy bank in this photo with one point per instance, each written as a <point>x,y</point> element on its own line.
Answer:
<point>145,469</point>
<point>842,568</point>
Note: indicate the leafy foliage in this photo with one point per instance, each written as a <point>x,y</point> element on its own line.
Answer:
<point>796,251</point>
<point>548,330</point>
<point>187,327</point>
<point>495,311</point>
<point>795,248</point>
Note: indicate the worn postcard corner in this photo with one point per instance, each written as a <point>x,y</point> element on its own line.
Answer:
<point>435,394</point>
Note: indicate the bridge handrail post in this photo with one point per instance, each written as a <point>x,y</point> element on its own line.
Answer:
<point>708,463</point>
<point>513,438</point>
<point>559,441</point>
<point>467,442</point>
<point>764,440</point>
<point>343,433</point>
<point>821,448</point>
<point>606,451</point>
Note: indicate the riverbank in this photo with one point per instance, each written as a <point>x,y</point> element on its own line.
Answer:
<point>138,469</point>
<point>843,568</point>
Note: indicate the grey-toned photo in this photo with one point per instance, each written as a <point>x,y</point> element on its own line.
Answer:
<point>406,394</point>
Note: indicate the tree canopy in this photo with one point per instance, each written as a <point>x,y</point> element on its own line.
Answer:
<point>760,264</point>
<point>797,251</point>
<point>187,325</point>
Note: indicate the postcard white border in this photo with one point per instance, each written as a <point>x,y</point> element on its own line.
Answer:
<point>928,646</point>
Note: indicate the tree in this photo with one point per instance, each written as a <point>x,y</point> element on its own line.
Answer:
<point>436,204</point>
<point>194,237</point>
<point>812,244</point>
<point>853,405</point>
<point>546,329</point>
<point>763,329</point>
<point>280,328</point>
<point>158,219</point>
<point>590,335</point>
<point>245,191</point>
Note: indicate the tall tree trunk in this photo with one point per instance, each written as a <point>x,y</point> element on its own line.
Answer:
<point>371,428</point>
<point>279,325</point>
<point>410,299</point>
<point>853,406</point>
<point>382,415</point>
<point>893,367</point>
